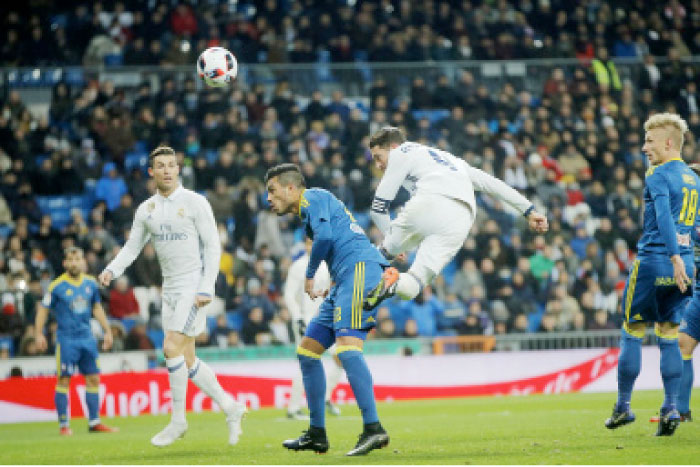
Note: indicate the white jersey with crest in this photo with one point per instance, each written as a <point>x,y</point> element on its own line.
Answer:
<point>423,169</point>
<point>298,302</point>
<point>185,237</point>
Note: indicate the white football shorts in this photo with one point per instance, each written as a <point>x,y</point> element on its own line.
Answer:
<point>179,312</point>
<point>437,225</point>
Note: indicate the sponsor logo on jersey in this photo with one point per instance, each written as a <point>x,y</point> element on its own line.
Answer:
<point>166,234</point>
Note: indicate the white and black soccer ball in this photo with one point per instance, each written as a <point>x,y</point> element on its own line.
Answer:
<point>217,67</point>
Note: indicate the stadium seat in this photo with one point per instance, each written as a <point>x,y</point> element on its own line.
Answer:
<point>114,60</point>
<point>211,324</point>
<point>74,76</point>
<point>128,324</point>
<point>8,343</point>
<point>433,116</point>
<point>5,231</point>
<point>133,160</point>
<point>235,319</point>
<point>157,336</point>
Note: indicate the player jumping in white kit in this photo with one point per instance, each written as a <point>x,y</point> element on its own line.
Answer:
<point>302,308</point>
<point>439,215</point>
<point>181,225</point>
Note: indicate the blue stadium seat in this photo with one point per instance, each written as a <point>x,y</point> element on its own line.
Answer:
<point>157,336</point>
<point>136,160</point>
<point>74,76</point>
<point>212,156</point>
<point>323,71</point>
<point>235,319</point>
<point>7,343</point>
<point>114,60</point>
<point>5,231</point>
<point>433,115</point>
<point>211,323</point>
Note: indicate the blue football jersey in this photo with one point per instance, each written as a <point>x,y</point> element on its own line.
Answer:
<point>671,208</point>
<point>71,302</point>
<point>348,242</point>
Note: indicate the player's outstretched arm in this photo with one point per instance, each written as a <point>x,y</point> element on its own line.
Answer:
<point>99,313</point>
<point>498,189</point>
<point>138,236</point>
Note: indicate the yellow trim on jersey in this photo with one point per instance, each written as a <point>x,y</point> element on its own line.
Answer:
<point>58,360</point>
<point>687,357</point>
<point>92,390</point>
<point>358,291</point>
<point>673,335</point>
<point>62,390</point>
<point>307,353</point>
<point>303,203</point>
<point>638,334</point>
<point>654,167</point>
<point>346,348</point>
<point>630,289</point>
<point>65,277</point>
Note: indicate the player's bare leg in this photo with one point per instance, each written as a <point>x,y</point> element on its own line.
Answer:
<point>92,399</point>
<point>174,347</point>
<point>203,376</point>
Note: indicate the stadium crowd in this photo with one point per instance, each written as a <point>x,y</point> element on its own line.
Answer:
<point>574,148</point>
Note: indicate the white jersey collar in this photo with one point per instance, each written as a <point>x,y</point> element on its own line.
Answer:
<point>173,195</point>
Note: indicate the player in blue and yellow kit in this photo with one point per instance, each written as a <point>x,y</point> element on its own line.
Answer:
<point>73,298</point>
<point>659,283</point>
<point>355,267</point>
<point>689,332</point>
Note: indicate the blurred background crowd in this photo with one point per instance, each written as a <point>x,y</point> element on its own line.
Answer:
<point>571,142</point>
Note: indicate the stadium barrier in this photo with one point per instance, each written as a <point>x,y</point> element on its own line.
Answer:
<point>267,383</point>
<point>354,79</point>
<point>46,366</point>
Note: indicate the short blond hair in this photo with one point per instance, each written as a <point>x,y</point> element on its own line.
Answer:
<point>671,122</point>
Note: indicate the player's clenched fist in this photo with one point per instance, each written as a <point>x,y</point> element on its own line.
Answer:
<point>538,222</point>
<point>105,277</point>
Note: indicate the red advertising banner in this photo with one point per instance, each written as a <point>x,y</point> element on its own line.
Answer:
<point>135,393</point>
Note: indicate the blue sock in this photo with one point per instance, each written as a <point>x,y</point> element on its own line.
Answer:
<point>686,385</point>
<point>61,400</point>
<point>671,371</point>
<point>628,367</point>
<point>92,399</point>
<point>314,385</point>
<point>361,382</point>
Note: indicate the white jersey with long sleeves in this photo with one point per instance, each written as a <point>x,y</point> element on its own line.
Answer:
<point>298,302</point>
<point>185,237</point>
<point>423,169</point>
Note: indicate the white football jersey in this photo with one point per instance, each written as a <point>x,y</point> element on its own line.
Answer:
<point>423,169</point>
<point>184,234</point>
<point>298,302</point>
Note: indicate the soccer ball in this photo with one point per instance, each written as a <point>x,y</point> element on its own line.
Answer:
<point>217,67</point>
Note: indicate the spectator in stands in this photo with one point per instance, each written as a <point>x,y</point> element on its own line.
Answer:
<point>138,339</point>
<point>219,335</point>
<point>256,331</point>
<point>221,200</point>
<point>111,187</point>
<point>122,302</point>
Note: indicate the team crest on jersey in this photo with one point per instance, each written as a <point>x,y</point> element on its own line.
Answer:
<point>151,206</point>
<point>69,292</point>
<point>181,212</point>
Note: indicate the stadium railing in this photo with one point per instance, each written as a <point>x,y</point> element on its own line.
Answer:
<point>354,78</point>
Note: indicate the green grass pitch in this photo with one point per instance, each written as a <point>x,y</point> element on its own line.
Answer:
<point>558,429</point>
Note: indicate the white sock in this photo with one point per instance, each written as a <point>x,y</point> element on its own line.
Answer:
<point>203,376</point>
<point>297,393</point>
<point>407,287</point>
<point>333,376</point>
<point>177,372</point>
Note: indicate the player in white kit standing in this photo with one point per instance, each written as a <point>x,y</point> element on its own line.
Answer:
<point>302,308</point>
<point>439,215</point>
<point>181,225</point>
